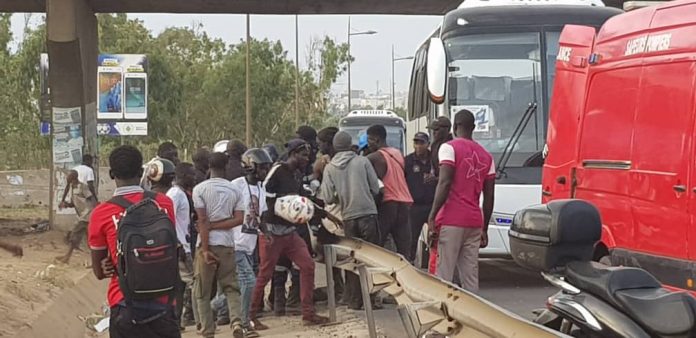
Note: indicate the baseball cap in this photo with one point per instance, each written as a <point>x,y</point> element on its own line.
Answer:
<point>421,136</point>
<point>295,144</point>
<point>440,122</point>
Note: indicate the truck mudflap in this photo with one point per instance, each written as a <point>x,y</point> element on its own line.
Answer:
<point>427,302</point>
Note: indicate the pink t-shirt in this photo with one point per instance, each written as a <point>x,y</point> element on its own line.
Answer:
<point>472,166</point>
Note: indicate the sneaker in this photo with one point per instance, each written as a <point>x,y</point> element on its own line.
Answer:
<point>223,321</point>
<point>237,331</point>
<point>250,333</point>
<point>258,326</point>
<point>315,320</point>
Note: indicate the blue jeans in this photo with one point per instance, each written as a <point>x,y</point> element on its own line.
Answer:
<point>247,281</point>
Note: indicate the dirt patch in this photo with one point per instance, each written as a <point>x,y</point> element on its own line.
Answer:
<point>29,284</point>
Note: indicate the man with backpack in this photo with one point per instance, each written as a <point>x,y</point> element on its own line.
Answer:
<point>142,223</point>
<point>220,208</point>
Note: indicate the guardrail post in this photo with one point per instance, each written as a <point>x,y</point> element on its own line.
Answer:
<point>367,302</point>
<point>413,324</point>
<point>329,262</point>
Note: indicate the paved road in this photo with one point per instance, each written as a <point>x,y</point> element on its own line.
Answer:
<point>502,282</point>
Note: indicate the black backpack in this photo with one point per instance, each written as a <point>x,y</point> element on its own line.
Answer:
<point>146,246</point>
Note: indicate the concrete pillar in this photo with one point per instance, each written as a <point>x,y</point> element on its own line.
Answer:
<point>72,43</point>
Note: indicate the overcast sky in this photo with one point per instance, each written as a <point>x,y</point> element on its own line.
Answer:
<point>372,52</point>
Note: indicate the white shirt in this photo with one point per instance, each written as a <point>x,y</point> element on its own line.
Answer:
<point>254,197</point>
<point>220,200</point>
<point>84,173</point>
<point>182,214</point>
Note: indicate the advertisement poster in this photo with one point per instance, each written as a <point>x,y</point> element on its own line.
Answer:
<point>136,96</point>
<point>110,93</point>
<point>67,135</point>
<point>122,94</point>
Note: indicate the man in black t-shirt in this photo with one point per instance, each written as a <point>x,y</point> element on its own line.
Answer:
<point>280,236</point>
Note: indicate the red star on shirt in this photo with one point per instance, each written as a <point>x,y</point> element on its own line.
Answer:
<point>475,166</point>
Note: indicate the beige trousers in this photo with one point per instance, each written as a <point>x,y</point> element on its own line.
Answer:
<point>458,247</point>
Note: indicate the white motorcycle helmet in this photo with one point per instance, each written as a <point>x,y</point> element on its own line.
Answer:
<point>220,146</point>
<point>294,208</point>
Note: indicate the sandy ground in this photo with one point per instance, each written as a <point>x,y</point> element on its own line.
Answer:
<point>30,283</point>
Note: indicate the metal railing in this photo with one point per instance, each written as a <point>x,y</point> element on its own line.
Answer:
<point>426,303</point>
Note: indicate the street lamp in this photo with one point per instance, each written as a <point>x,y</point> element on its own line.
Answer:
<point>370,32</point>
<point>393,89</point>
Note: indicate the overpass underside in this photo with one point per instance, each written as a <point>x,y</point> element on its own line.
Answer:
<point>421,7</point>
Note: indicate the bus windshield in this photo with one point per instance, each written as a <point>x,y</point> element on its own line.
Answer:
<point>395,135</point>
<point>496,77</point>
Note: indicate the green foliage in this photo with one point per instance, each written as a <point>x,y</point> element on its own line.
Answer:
<point>196,88</point>
<point>19,93</point>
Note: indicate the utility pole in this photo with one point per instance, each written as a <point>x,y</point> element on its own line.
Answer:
<point>393,85</point>
<point>248,85</point>
<point>393,91</point>
<point>370,32</point>
<point>349,57</point>
<point>297,73</point>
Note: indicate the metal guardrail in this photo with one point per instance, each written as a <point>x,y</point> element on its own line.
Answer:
<point>425,302</point>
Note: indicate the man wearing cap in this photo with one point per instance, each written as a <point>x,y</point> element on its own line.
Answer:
<point>440,129</point>
<point>421,183</point>
<point>351,181</point>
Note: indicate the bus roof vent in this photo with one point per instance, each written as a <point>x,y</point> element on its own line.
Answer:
<point>374,112</point>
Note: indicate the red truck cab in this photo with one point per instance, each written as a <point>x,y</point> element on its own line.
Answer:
<point>621,135</point>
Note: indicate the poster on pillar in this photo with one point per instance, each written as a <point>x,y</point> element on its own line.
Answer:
<point>67,136</point>
<point>67,149</point>
<point>122,94</point>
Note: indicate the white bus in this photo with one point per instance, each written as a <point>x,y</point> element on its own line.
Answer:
<point>357,122</point>
<point>497,59</point>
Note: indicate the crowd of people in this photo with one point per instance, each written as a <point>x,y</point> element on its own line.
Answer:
<point>223,222</point>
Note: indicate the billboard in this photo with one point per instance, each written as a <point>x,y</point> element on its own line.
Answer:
<point>122,94</point>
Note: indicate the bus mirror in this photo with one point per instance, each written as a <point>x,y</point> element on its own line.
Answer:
<point>436,70</point>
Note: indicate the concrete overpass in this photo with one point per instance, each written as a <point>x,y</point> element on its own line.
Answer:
<point>432,7</point>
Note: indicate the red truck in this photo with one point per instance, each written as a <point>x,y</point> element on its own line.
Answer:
<point>622,135</point>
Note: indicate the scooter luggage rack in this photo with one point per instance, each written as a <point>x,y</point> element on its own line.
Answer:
<point>560,282</point>
<point>425,302</point>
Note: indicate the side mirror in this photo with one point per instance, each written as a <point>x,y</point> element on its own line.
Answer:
<point>436,70</point>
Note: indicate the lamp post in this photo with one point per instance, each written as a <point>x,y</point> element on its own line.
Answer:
<point>248,85</point>
<point>370,32</point>
<point>393,89</point>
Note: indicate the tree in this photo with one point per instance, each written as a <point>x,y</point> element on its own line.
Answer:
<point>196,93</point>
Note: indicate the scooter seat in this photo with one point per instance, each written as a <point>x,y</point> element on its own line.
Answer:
<point>603,281</point>
<point>637,294</point>
<point>659,311</point>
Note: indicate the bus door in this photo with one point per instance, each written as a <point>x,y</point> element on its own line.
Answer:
<point>567,103</point>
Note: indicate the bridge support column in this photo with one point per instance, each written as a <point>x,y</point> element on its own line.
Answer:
<point>72,42</point>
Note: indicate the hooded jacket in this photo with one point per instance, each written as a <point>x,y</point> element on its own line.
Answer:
<point>350,181</point>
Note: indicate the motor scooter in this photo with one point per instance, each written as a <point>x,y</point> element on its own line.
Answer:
<point>595,300</point>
